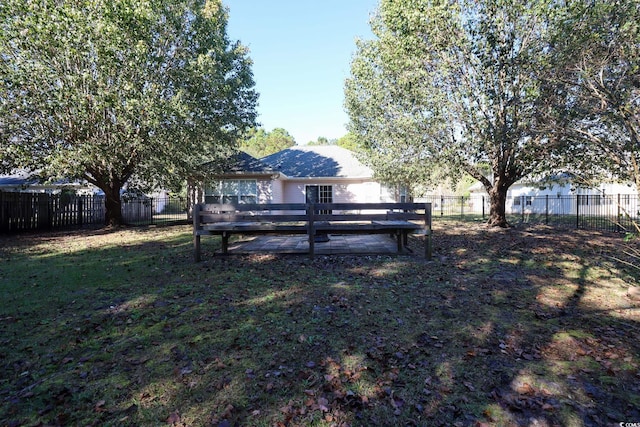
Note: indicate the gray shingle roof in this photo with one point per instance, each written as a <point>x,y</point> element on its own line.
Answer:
<point>25,178</point>
<point>244,162</point>
<point>318,161</point>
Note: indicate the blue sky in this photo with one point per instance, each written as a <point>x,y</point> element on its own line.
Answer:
<point>301,52</point>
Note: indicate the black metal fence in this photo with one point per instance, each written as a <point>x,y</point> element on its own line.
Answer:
<point>611,212</point>
<point>42,211</point>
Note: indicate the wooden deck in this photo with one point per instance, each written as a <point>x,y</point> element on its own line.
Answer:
<point>292,221</point>
<point>373,244</point>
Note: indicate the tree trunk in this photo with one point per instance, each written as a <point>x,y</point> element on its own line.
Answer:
<point>113,205</point>
<point>497,209</point>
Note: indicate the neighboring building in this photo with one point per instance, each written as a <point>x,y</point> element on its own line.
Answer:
<point>558,194</point>
<point>23,181</point>
<point>328,174</point>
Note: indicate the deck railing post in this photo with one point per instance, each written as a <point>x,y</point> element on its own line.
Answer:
<point>311,229</point>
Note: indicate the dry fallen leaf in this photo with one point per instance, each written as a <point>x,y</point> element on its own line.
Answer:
<point>99,406</point>
<point>525,388</point>
<point>174,418</point>
<point>322,404</point>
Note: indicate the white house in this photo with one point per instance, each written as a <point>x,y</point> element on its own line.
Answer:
<point>561,194</point>
<point>328,174</point>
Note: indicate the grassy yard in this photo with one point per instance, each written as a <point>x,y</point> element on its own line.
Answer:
<point>528,326</point>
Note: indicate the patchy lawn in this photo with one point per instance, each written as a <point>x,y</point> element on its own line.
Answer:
<point>528,326</point>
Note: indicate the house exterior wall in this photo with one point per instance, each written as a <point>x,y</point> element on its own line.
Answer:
<point>265,191</point>
<point>293,191</point>
<point>344,191</point>
<point>560,199</point>
<point>526,198</point>
<point>370,192</point>
<point>277,191</point>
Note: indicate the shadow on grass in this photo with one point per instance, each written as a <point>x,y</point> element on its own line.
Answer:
<point>512,327</point>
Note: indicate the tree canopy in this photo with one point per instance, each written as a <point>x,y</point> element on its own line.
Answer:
<point>450,85</point>
<point>120,92</point>
<point>597,86</point>
<point>350,142</point>
<point>322,140</point>
<point>260,143</point>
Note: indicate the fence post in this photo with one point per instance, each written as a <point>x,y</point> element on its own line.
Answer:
<point>546,209</point>
<point>428,244</point>
<point>42,210</point>
<point>577,210</point>
<point>196,232</point>
<point>522,207</point>
<point>462,206</point>
<point>51,213</point>
<point>80,210</point>
<point>483,207</point>
<point>619,216</point>
<point>441,205</point>
<point>2,213</point>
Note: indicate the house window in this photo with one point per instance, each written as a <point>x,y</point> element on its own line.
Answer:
<point>403,194</point>
<point>326,194</point>
<point>232,191</point>
<point>517,200</point>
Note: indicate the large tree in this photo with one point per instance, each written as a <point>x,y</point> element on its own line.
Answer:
<point>120,91</point>
<point>597,86</point>
<point>451,85</point>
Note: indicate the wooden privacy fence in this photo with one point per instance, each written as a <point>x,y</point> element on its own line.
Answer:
<point>33,211</point>
<point>43,211</point>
